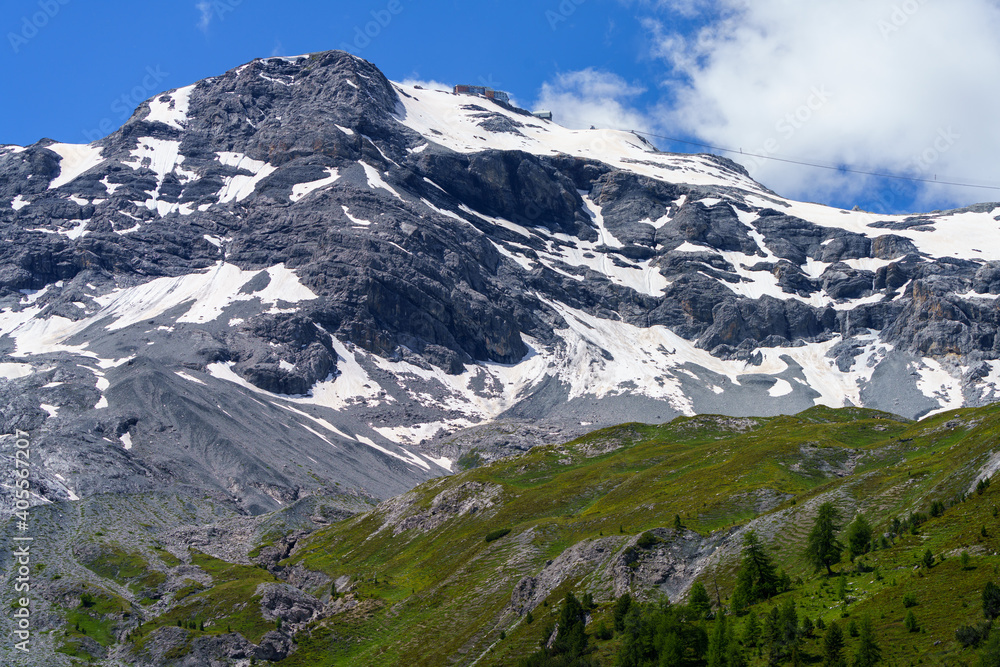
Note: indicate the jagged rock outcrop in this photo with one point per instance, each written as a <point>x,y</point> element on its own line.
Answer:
<point>287,603</point>
<point>668,566</point>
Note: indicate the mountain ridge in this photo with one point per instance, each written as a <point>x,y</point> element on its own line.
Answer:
<point>379,266</point>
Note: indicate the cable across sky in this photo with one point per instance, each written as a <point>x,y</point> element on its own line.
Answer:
<point>803,163</point>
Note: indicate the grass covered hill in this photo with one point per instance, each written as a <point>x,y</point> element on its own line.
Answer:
<point>478,568</point>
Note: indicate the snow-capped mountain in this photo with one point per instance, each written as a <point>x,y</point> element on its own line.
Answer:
<point>295,273</point>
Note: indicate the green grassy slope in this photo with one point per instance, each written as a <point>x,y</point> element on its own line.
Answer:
<point>443,593</point>
<point>419,583</point>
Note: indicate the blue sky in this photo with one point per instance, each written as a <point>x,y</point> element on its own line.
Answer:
<point>899,86</point>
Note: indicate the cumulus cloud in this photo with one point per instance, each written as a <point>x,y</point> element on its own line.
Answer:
<point>884,85</point>
<point>593,97</point>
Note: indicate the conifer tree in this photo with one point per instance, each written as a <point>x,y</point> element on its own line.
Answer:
<point>718,643</point>
<point>734,652</point>
<point>622,606</point>
<point>571,639</point>
<point>789,624</point>
<point>868,652</point>
<point>699,603</point>
<point>773,634</point>
<point>833,646</point>
<point>823,549</point>
<point>751,630</point>
<point>757,579</point>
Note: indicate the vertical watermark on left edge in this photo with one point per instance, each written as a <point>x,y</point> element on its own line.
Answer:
<point>21,553</point>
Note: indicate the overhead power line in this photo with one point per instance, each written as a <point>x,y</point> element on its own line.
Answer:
<point>816,165</point>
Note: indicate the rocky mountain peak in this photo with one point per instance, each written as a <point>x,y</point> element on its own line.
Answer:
<point>301,271</point>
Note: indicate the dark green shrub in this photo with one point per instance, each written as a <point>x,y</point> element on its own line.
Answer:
<point>859,536</point>
<point>969,635</point>
<point>647,540</point>
<point>494,535</point>
<point>991,600</point>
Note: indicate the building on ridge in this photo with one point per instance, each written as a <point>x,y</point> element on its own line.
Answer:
<point>483,91</point>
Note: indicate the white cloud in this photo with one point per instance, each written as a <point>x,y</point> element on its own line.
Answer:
<point>593,97</point>
<point>206,15</point>
<point>905,86</point>
<point>686,8</point>
<point>429,85</point>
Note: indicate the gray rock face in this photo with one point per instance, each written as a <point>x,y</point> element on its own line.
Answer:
<point>274,646</point>
<point>210,651</point>
<point>582,557</point>
<point>469,498</point>
<point>508,184</point>
<point>716,227</point>
<point>669,566</point>
<point>287,603</point>
<point>987,279</point>
<point>261,345</point>
<point>293,274</point>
